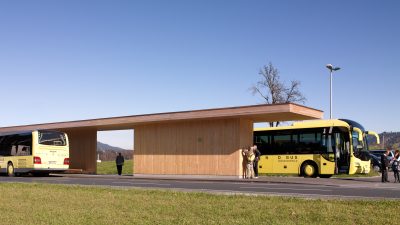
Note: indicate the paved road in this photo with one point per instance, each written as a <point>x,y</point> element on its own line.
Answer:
<point>282,186</point>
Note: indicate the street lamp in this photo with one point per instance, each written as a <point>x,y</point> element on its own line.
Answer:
<point>331,69</point>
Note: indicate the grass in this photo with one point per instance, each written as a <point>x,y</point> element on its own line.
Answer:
<point>62,204</point>
<point>109,167</point>
<point>372,173</point>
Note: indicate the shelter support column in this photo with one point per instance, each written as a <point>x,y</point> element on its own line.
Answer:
<point>83,146</point>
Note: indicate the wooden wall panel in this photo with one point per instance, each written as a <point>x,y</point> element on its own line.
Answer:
<point>83,144</point>
<point>209,147</point>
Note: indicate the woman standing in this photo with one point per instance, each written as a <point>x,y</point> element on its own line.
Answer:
<point>244,162</point>
<point>250,160</point>
<point>395,166</point>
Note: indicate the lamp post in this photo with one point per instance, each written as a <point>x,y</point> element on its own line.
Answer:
<point>331,69</point>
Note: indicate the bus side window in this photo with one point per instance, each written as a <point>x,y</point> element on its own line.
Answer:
<point>2,146</point>
<point>23,150</point>
<point>308,143</point>
<point>13,150</point>
<point>282,143</point>
<point>24,144</point>
<point>14,145</point>
<point>263,142</point>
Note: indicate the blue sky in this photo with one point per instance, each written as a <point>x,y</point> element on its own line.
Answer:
<point>72,60</point>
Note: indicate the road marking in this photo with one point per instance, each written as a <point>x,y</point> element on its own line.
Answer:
<point>283,188</point>
<point>138,183</point>
<point>49,180</point>
<point>272,193</point>
<point>368,187</point>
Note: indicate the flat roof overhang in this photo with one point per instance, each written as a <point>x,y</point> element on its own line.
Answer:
<point>256,113</point>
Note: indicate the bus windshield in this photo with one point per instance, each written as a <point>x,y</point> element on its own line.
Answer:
<point>360,148</point>
<point>52,138</point>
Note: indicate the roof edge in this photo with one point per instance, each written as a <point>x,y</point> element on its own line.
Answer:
<point>166,113</point>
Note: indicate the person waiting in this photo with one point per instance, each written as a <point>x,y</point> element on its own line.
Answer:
<point>250,160</point>
<point>257,154</point>
<point>244,152</point>
<point>120,162</point>
<point>385,165</point>
<point>395,166</point>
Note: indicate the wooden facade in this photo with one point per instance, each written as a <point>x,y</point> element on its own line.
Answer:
<point>207,147</point>
<point>83,146</point>
<point>199,142</point>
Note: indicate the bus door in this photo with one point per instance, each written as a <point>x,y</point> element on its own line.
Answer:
<point>342,151</point>
<point>327,158</point>
<point>336,144</point>
<point>359,160</point>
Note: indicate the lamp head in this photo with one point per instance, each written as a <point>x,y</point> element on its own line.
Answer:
<point>331,68</point>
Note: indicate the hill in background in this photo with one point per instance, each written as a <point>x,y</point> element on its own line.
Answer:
<point>388,139</point>
<point>108,153</point>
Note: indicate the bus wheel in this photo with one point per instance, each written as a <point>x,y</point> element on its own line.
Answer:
<point>10,170</point>
<point>309,169</point>
<point>325,175</point>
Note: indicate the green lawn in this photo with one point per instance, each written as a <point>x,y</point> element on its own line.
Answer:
<point>372,173</point>
<point>109,167</point>
<point>59,204</point>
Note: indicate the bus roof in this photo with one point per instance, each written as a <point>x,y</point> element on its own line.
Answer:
<point>353,123</point>
<point>22,132</point>
<point>309,124</point>
<point>16,132</point>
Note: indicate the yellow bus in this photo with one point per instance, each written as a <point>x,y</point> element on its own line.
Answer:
<point>36,152</point>
<point>314,148</point>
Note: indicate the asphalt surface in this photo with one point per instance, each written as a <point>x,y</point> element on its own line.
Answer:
<point>357,188</point>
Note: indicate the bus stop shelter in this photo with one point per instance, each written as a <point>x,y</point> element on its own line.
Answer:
<point>198,142</point>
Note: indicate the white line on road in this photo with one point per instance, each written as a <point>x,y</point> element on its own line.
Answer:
<point>283,188</point>
<point>273,193</point>
<point>133,183</point>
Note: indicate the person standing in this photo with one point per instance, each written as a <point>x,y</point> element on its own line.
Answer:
<point>250,161</point>
<point>385,165</point>
<point>395,167</point>
<point>244,162</point>
<point>257,154</point>
<point>120,162</point>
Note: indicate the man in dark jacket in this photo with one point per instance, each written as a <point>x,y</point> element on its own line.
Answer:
<point>120,162</point>
<point>255,164</point>
<point>385,165</point>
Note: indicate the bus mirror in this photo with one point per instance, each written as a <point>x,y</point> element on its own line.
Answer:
<point>360,133</point>
<point>373,133</point>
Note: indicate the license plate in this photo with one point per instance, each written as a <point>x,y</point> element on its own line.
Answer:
<point>52,162</point>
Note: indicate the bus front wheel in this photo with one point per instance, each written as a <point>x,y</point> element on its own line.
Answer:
<point>309,169</point>
<point>10,170</point>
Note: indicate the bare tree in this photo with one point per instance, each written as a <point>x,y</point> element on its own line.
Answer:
<point>274,91</point>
